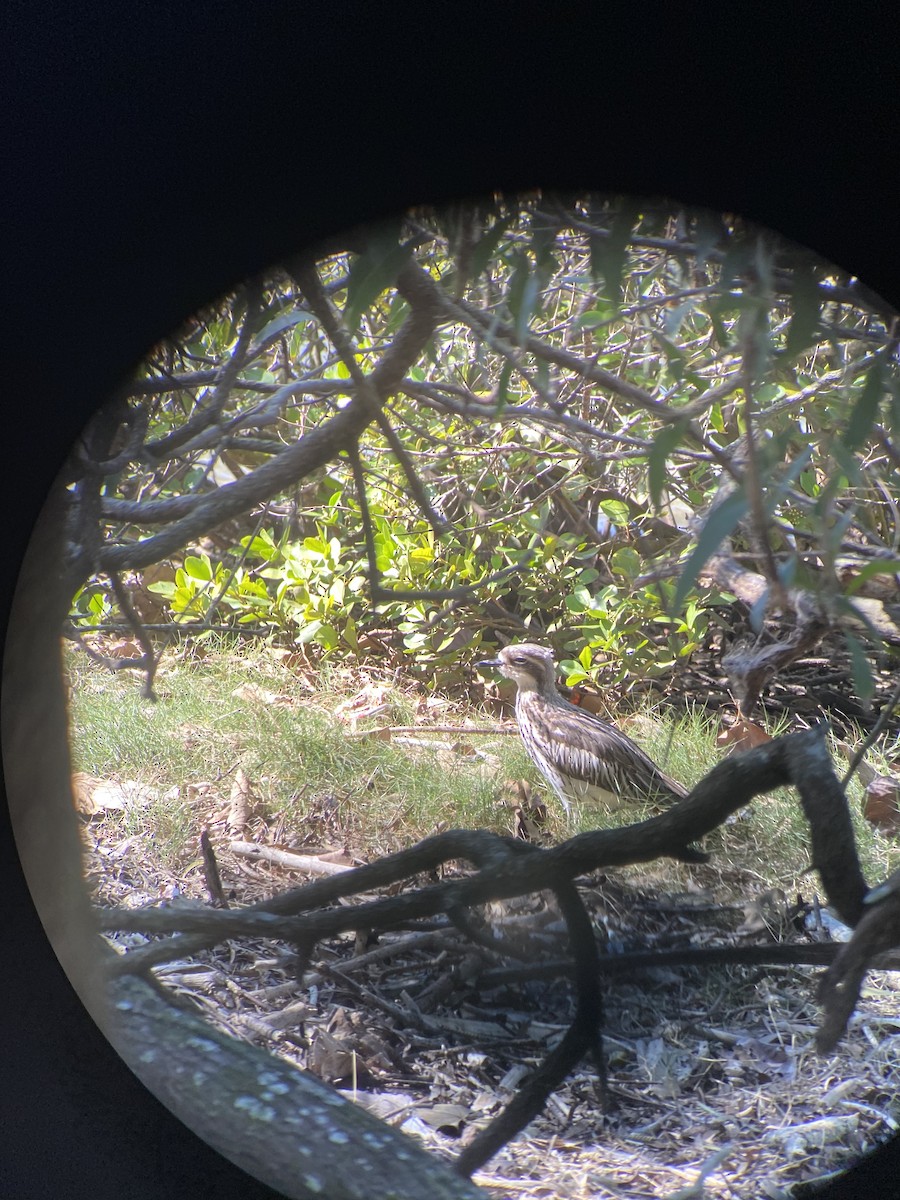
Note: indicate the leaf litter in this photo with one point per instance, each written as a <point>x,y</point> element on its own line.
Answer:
<point>715,1084</point>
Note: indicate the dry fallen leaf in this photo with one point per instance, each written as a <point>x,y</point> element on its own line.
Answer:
<point>371,701</point>
<point>93,795</point>
<point>881,803</point>
<point>331,1058</point>
<point>254,694</point>
<point>591,702</point>
<point>446,1118</point>
<point>123,648</point>
<point>742,735</point>
<point>864,772</point>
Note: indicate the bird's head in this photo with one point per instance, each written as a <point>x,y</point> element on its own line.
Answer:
<point>531,667</point>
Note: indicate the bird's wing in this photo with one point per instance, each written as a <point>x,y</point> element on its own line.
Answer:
<point>580,745</point>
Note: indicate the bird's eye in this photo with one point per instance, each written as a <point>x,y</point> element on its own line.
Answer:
<point>520,661</point>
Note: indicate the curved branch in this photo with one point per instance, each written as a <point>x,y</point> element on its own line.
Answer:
<point>582,1037</point>
<point>877,932</point>
<point>209,413</point>
<point>307,278</point>
<point>283,1125</point>
<point>508,867</point>
<point>314,450</point>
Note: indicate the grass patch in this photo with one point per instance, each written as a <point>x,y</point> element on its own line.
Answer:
<point>242,707</point>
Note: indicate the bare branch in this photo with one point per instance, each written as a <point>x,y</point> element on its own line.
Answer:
<point>208,414</point>
<point>508,867</point>
<point>148,661</point>
<point>314,450</point>
<point>332,322</point>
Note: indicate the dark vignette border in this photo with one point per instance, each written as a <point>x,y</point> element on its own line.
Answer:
<point>157,155</point>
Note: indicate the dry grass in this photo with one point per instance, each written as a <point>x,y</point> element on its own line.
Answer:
<point>713,1072</point>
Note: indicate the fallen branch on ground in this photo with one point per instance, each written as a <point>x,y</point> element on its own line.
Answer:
<point>504,868</point>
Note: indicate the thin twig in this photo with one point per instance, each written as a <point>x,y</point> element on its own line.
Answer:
<point>362,498</point>
<point>211,871</point>
<point>883,717</point>
<point>225,379</point>
<point>148,661</point>
<point>752,475</point>
<point>332,322</point>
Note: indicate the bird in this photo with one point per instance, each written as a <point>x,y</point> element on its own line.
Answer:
<point>584,759</point>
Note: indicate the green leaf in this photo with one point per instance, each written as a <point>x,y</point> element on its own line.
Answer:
<point>609,253</point>
<point>861,669</point>
<point>198,568</point>
<point>782,485</point>
<point>572,673</point>
<point>663,445</point>
<point>373,271</point>
<point>285,320</point>
<point>487,244</point>
<point>626,562</point>
<point>720,523</point>
<point>862,418</point>
<point>617,511</point>
<point>308,633</point>
<point>709,232</point>
<point>327,637</point>
<point>675,357</point>
<point>596,317</point>
<point>349,634</point>
<point>261,546</point>
<point>805,319</point>
<point>521,295</point>
<point>526,309</point>
<point>503,385</point>
<point>809,483</point>
<point>735,262</point>
<point>850,469</point>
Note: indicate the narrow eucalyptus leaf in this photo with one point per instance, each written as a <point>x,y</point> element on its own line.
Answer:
<point>883,566</point>
<point>861,669</point>
<point>719,524</point>
<point>487,244</point>
<point>663,445</point>
<point>285,320</point>
<point>806,304</point>
<point>526,307</point>
<point>609,253</point>
<point>862,418</point>
<point>375,270</point>
<point>757,613</point>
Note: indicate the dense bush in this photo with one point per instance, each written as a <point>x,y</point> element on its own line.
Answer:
<point>564,408</point>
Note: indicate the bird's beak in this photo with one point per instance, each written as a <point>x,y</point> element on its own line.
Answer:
<point>489,662</point>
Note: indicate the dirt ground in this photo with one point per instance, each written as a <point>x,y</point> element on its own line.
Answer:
<point>713,1076</point>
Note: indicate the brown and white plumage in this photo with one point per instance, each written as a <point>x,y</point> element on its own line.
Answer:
<point>584,759</point>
